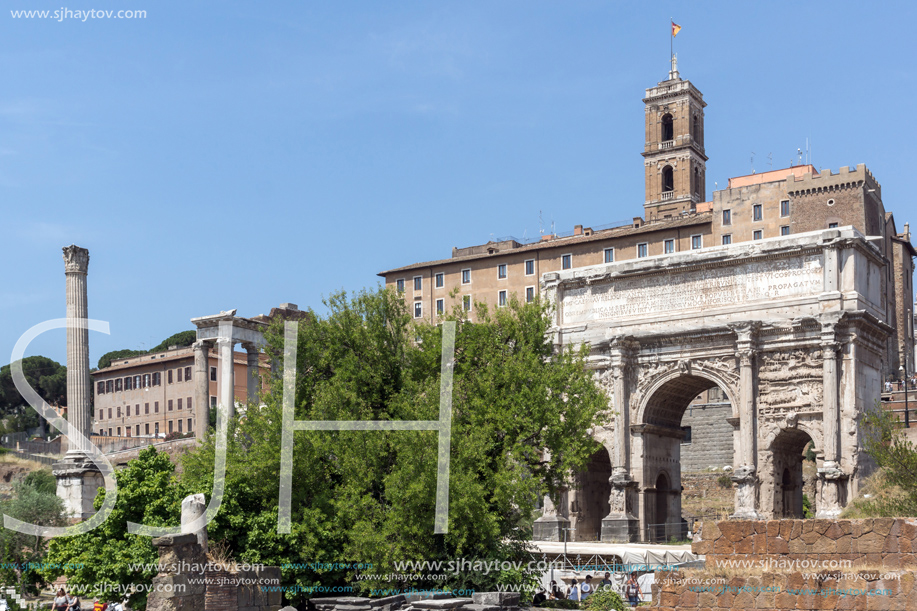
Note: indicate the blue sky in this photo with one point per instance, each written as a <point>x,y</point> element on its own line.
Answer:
<point>239,154</point>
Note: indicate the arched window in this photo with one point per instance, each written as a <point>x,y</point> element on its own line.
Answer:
<point>668,179</point>
<point>695,132</point>
<point>697,181</point>
<point>668,128</point>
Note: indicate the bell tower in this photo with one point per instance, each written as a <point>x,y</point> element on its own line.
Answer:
<point>673,156</point>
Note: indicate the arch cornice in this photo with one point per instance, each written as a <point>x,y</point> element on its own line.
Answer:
<point>642,395</point>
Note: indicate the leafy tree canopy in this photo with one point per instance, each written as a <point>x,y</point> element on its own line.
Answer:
<point>369,497</point>
<point>47,377</point>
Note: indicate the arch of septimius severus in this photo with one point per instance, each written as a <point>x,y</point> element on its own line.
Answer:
<point>789,328</point>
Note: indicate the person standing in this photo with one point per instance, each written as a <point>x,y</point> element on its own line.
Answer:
<point>60,601</point>
<point>556,592</point>
<point>632,590</point>
<point>575,592</point>
<point>586,588</point>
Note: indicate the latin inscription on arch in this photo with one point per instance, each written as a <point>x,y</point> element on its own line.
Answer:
<point>679,291</point>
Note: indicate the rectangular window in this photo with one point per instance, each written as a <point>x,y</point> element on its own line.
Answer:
<point>128,431</point>
<point>100,388</point>
<point>727,217</point>
<point>146,428</point>
<point>188,403</point>
<point>440,280</point>
<point>109,387</point>
<point>101,415</point>
<point>156,407</point>
<point>757,235</point>
<point>127,383</point>
<point>501,271</point>
<point>727,239</point>
<point>418,283</point>
<point>119,431</point>
<point>119,411</point>
<point>466,302</point>
<point>118,385</point>
<point>642,250</point>
<point>399,285</point>
<point>440,306</point>
<point>566,261</point>
<point>529,294</point>
<point>170,426</point>
<point>128,408</point>
<point>146,408</point>
<point>179,425</point>
<point>785,208</point>
<point>784,230</point>
<point>170,376</point>
<point>156,429</point>
<point>687,431</point>
<point>187,374</point>
<point>758,212</point>
<point>832,225</point>
<point>466,276</point>
<point>669,246</point>
<point>697,241</point>
<point>170,405</point>
<point>110,432</point>
<point>530,267</point>
<point>418,309</point>
<point>213,374</point>
<point>137,430</point>
<point>189,425</point>
<point>157,379</point>
<point>179,404</point>
<point>213,401</point>
<point>501,299</point>
<point>146,380</point>
<point>609,255</point>
<point>137,380</point>
<point>109,413</point>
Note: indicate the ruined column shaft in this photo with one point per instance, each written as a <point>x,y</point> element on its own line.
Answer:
<point>201,388</point>
<point>79,386</point>
<point>252,374</point>
<point>227,386</point>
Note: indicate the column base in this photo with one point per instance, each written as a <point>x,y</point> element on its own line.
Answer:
<point>550,528</point>
<point>746,481</point>
<point>620,528</point>
<point>78,483</point>
<point>832,492</point>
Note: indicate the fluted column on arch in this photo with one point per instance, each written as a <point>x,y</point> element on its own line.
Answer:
<point>745,474</point>
<point>621,524</point>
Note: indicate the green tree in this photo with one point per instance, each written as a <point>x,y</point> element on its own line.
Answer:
<point>896,457</point>
<point>148,493</point>
<point>42,481</point>
<point>47,377</point>
<point>115,355</point>
<point>180,339</point>
<point>21,553</point>
<point>369,496</point>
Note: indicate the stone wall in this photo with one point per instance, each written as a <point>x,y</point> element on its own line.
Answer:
<point>479,601</point>
<point>788,591</point>
<point>711,437</point>
<point>889,543</point>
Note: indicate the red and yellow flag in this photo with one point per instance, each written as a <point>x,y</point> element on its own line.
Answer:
<point>675,29</point>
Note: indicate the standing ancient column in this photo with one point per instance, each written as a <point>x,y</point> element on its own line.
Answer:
<point>76,266</point>
<point>252,373</point>
<point>227,367</point>
<point>78,479</point>
<point>201,388</point>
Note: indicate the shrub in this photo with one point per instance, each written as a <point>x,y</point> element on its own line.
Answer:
<point>560,603</point>
<point>605,600</point>
<point>724,481</point>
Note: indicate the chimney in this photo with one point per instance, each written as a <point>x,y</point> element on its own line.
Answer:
<point>578,230</point>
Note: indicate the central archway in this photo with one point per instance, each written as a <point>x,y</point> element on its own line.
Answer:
<point>660,431</point>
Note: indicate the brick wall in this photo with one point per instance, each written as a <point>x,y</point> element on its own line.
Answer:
<point>711,437</point>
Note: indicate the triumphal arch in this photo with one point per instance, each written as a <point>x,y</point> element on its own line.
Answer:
<point>789,328</point>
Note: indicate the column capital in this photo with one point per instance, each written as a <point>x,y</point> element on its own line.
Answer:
<point>251,348</point>
<point>830,349</point>
<point>222,341</point>
<point>746,332</point>
<point>76,259</point>
<point>201,344</point>
<point>746,356</point>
